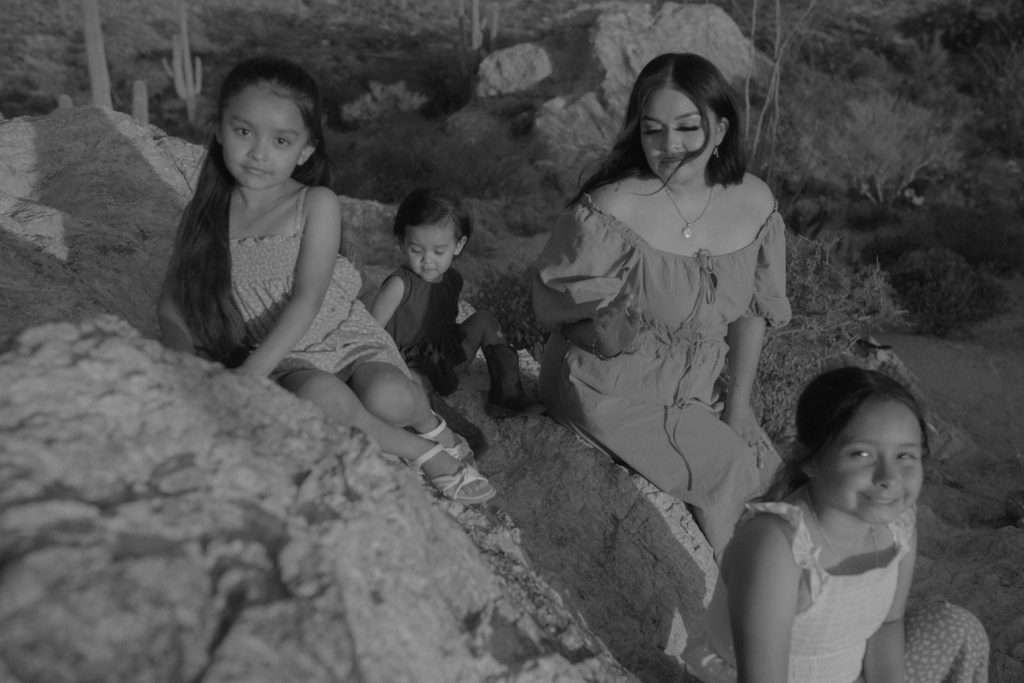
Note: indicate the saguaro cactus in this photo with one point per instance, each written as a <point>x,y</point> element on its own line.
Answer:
<point>186,72</point>
<point>478,25</point>
<point>140,101</point>
<point>99,78</point>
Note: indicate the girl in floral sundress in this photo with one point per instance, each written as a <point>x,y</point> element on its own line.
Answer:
<point>256,283</point>
<point>813,586</point>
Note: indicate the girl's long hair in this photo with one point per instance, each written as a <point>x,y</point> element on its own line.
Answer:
<point>200,269</point>
<point>824,408</point>
<point>704,84</point>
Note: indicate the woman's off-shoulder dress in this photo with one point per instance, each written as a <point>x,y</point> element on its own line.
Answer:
<point>653,406</point>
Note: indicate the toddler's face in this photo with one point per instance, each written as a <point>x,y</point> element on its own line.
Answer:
<point>429,249</point>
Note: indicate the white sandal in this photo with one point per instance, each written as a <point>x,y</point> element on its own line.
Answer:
<point>452,485</point>
<point>460,450</point>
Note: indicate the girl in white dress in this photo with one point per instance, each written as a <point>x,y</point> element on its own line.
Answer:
<point>813,586</point>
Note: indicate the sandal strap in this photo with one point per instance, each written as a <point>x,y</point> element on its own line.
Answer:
<point>419,462</point>
<point>451,485</point>
<point>436,431</point>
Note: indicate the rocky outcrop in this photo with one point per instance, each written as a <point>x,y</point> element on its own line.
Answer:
<point>629,558</point>
<point>163,519</point>
<point>89,200</point>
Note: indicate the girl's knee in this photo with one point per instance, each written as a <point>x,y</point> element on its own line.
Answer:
<point>392,396</point>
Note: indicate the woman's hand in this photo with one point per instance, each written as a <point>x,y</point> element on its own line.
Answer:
<point>743,421</point>
<point>616,325</point>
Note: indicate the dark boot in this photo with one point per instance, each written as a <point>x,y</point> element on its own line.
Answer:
<point>506,397</point>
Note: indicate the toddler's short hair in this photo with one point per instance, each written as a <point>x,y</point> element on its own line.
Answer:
<point>427,206</point>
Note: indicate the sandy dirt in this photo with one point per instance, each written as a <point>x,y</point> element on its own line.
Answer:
<point>977,381</point>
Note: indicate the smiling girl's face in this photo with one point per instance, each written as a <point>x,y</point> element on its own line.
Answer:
<point>872,470</point>
<point>670,129</point>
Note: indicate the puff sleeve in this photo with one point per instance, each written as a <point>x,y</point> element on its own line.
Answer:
<point>581,268</point>
<point>770,301</point>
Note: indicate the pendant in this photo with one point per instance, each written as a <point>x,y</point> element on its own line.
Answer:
<point>687,233</point>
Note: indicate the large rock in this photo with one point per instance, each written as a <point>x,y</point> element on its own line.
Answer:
<point>89,200</point>
<point>164,520</point>
<point>512,70</point>
<point>629,558</point>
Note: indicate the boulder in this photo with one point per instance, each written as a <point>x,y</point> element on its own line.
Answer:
<point>89,201</point>
<point>512,70</point>
<point>164,519</point>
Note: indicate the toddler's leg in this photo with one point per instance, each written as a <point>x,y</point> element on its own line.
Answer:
<point>479,330</point>
<point>506,397</point>
<point>945,644</point>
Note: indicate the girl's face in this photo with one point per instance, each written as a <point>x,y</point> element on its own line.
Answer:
<point>429,249</point>
<point>872,469</point>
<point>264,138</point>
<point>669,129</point>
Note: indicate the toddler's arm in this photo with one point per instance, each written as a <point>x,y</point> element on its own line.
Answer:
<point>387,300</point>
<point>884,656</point>
<point>317,253</point>
<point>763,583</point>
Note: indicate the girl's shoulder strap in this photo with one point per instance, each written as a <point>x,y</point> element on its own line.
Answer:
<point>300,201</point>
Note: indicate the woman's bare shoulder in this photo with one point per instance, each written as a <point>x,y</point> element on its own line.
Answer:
<point>754,196</point>
<point>620,198</point>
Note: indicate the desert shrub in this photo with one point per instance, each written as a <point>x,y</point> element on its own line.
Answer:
<point>381,100</point>
<point>943,292</point>
<point>386,158</point>
<point>986,41</point>
<point>881,144</point>
<point>833,307</point>
<point>990,239</point>
<point>508,296</point>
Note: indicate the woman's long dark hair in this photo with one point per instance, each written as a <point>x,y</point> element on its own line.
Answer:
<point>200,270</point>
<point>704,84</point>
<point>825,407</point>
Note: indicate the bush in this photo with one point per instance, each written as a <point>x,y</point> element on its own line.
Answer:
<point>883,144</point>
<point>509,297</point>
<point>993,240</point>
<point>943,292</point>
<point>390,156</point>
<point>833,307</point>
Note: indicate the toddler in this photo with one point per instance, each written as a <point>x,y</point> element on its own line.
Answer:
<point>419,302</point>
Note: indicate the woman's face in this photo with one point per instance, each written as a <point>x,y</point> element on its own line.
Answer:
<point>670,129</point>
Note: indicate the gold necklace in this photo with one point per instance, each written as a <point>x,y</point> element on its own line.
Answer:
<point>687,232</point>
<point>824,536</point>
